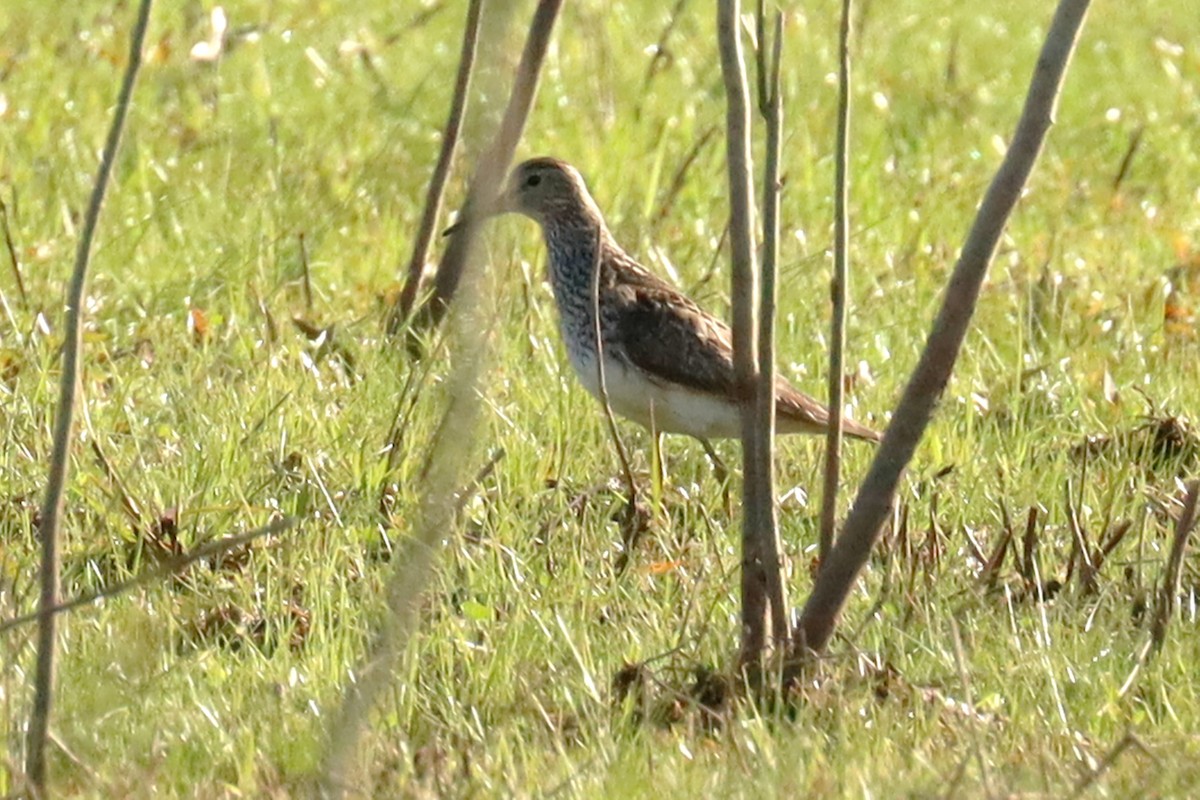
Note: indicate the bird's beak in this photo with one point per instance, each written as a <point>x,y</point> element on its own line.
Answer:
<point>502,204</point>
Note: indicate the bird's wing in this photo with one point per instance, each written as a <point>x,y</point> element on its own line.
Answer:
<point>672,340</point>
<point>669,337</point>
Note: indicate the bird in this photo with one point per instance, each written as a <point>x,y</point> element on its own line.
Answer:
<point>668,363</point>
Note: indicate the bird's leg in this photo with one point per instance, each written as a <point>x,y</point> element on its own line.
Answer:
<point>658,470</point>
<point>719,469</point>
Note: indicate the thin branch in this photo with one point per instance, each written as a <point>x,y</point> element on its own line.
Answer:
<point>745,324</point>
<point>837,291</point>
<point>12,254</point>
<point>764,395</point>
<point>441,485</point>
<point>167,567</point>
<point>1110,758</point>
<point>489,172</point>
<point>52,506</point>
<point>441,171</point>
<point>1164,607</point>
<point>306,275</point>
<point>929,380</point>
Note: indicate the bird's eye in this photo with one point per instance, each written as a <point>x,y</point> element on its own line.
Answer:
<point>533,180</point>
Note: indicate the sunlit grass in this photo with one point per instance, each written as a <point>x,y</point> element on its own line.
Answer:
<point>203,397</point>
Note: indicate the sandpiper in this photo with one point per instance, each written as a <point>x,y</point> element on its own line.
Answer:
<point>668,364</point>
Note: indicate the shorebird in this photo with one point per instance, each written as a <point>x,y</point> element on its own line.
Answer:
<point>668,364</point>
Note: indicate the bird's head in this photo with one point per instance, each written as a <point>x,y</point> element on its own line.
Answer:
<point>546,190</point>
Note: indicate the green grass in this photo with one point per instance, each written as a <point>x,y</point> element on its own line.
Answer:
<point>221,683</point>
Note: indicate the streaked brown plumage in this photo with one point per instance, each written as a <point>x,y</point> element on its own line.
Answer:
<point>668,363</point>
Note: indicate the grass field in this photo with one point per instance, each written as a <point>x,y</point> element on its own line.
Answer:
<point>208,410</point>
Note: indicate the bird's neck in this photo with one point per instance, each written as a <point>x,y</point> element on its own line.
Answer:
<point>572,245</point>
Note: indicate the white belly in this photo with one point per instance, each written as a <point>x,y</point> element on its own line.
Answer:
<point>667,408</point>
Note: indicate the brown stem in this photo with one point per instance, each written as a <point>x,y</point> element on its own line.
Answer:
<point>441,171</point>
<point>52,506</point>
<point>168,567</point>
<point>764,395</point>
<point>1169,590</point>
<point>929,380</point>
<point>745,326</point>
<point>490,171</point>
<point>837,291</point>
<point>441,484</point>
<point>12,254</point>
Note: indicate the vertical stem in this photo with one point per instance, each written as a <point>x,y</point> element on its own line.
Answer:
<point>841,247</point>
<point>745,323</point>
<point>52,506</point>
<point>764,397</point>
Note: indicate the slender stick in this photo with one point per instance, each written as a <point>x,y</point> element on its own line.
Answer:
<point>490,171</point>
<point>745,325</point>
<point>764,395</point>
<point>305,275</point>
<point>837,290</point>
<point>929,380</point>
<point>170,566</point>
<point>441,170</point>
<point>52,506</point>
<point>1169,590</point>
<point>441,480</point>
<point>12,254</point>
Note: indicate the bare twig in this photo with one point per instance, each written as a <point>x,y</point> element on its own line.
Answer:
<point>680,176</point>
<point>837,291</point>
<point>304,273</point>
<point>441,479</point>
<point>1081,548</point>
<point>756,504</point>
<point>1029,569</point>
<point>441,170</point>
<point>167,567</point>
<point>1164,606</point>
<point>1127,160</point>
<point>764,394</point>
<point>489,172</point>
<point>662,56</point>
<point>929,380</point>
<point>52,506</point>
<point>1110,758</point>
<point>12,254</point>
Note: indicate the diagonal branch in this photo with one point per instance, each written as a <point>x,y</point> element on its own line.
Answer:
<point>837,290</point>
<point>441,480</point>
<point>52,506</point>
<point>489,173</point>
<point>929,380</point>
<point>1168,592</point>
<point>169,566</point>
<point>441,171</point>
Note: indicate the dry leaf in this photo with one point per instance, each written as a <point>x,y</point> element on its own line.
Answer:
<point>197,324</point>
